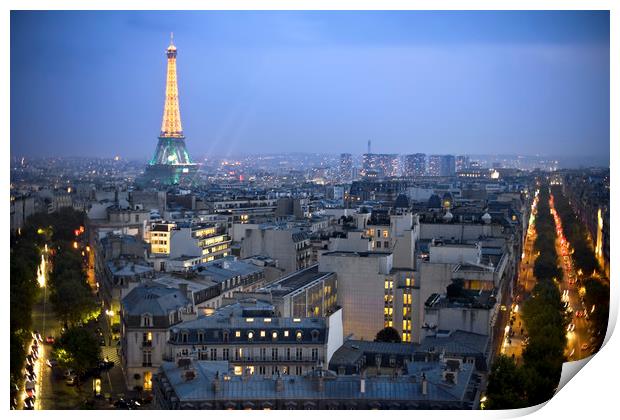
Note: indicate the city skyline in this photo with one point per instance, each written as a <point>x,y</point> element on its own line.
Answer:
<point>115,73</point>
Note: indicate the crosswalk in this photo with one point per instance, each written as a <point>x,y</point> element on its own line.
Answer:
<point>111,353</point>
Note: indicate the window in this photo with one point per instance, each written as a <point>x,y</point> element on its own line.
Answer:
<point>378,233</point>
<point>225,336</point>
<point>213,354</point>
<point>225,354</point>
<point>298,335</point>
<point>251,335</point>
<point>274,354</point>
<point>147,338</point>
<point>386,244</point>
<point>147,320</point>
<point>315,355</point>
<point>298,353</point>
<point>261,370</point>
<point>315,335</point>
<point>386,234</point>
<point>148,378</point>
<point>286,333</point>
<point>288,353</point>
<point>146,358</point>
<point>263,354</point>
<point>262,333</point>
<point>274,335</point>
<point>184,337</point>
<point>237,354</point>
<point>201,336</point>
<point>298,370</point>
<point>237,334</point>
<point>378,245</point>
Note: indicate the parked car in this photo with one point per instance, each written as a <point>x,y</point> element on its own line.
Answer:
<point>51,362</point>
<point>50,339</point>
<point>105,364</point>
<point>121,404</point>
<point>29,403</point>
<point>71,380</point>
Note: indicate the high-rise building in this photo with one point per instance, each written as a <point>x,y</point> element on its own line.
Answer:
<point>346,166</point>
<point>171,163</point>
<point>462,163</point>
<point>415,165</point>
<point>441,165</point>
<point>380,165</point>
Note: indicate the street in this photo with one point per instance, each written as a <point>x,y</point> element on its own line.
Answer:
<point>51,390</point>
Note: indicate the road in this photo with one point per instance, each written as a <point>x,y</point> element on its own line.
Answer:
<point>514,331</point>
<point>570,291</point>
<point>51,390</point>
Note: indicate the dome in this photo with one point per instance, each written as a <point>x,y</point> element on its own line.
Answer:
<point>434,202</point>
<point>402,202</point>
<point>448,216</point>
<point>486,218</point>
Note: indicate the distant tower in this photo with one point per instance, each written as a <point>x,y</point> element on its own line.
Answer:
<point>171,162</point>
<point>368,146</point>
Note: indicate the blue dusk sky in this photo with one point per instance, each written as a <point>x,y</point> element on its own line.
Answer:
<point>92,83</point>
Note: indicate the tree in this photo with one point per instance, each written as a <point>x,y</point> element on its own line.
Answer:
<point>506,387</point>
<point>388,335</point>
<point>72,300</point>
<point>77,349</point>
<point>455,289</point>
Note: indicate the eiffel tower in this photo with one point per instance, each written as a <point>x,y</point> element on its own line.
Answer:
<point>171,163</point>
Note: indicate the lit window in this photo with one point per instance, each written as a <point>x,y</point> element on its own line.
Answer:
<point>298,335</point>
<point>267,319</point>
<point>274,335</point>
<point>286,333</point>
<point>250,335</point>
<point>237,334</point>
<point>296,319</point>
<point>262,333</point>
<point>386,233</point>
<point>249,320</point>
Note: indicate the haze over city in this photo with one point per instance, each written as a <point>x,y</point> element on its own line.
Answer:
<point>307,210</point>
<point>90,83</point>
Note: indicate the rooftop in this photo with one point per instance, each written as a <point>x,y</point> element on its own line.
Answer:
<point>153,299</point>
<point>342,387</point>
<point>296,281</point>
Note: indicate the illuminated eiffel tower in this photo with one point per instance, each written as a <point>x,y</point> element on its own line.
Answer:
<point>171,163</point>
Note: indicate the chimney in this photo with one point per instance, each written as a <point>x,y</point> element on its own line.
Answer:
<point>216,383</point>
<point>279,383</point>
<point>424,385</point>
<point>183,289</point>
<point>319,381</point>
<point>363,384</point>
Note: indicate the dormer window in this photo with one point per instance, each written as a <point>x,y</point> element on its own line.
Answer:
<point>298,335</point>
<point>274,335</point>
<point>147,320</point>
<point>315,335</point>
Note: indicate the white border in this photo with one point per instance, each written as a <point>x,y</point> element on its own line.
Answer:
<point>591,393</point>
